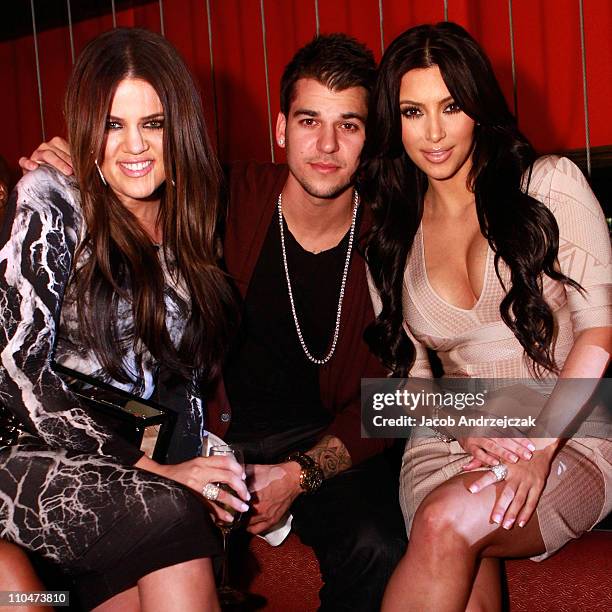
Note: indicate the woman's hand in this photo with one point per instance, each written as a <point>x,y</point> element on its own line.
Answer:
<point>197,473</point>
<point>489,451</point>
<point>520,492</point>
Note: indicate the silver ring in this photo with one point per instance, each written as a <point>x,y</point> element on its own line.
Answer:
<point>211,491</point>
<point>500,471</point>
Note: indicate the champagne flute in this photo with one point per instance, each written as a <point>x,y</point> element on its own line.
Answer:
<point>228,595</point>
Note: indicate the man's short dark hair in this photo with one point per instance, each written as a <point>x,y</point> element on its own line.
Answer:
<point>334,60</point>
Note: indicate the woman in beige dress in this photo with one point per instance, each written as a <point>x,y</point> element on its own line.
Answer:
<point>500,263</point>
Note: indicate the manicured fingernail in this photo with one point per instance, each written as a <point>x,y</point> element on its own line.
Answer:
<point>497,518</point>
<point>514,458</point>
<point>521,523</point>
<point>243,475</point>
<point>495,462</point>
<point>473,488</point>
<point>527,455</point>
<point>248,496</point>
<point>508,523</point>
<point>531,447</point>
<point>244,507</point>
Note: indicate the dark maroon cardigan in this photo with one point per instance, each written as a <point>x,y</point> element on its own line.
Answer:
<point>253,192</point>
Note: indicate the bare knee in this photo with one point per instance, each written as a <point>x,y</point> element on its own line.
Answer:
<point>16,571</point>
<point>448,518</point>
<point>185,586</point>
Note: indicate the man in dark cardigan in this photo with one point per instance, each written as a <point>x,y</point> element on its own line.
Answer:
<point>290,394</point>
<point>297,418</point>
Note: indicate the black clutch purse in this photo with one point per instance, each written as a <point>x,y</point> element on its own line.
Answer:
<point>142,422</point>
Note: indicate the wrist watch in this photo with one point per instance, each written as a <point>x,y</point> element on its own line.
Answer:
<point>311,476</point>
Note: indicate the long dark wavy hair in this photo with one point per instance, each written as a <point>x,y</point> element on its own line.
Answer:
<point>121,261</point>
<point>520,230</point>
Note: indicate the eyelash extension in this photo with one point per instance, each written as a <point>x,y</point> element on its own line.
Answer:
<point>410,112</point>
<point>413,112</point>
<point>115,125</point>
<point>456,108</point>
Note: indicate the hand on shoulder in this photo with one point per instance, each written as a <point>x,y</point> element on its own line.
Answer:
<point>55,153</point>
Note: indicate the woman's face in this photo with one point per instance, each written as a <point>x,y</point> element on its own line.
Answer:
<point>437,135</point>
<point>133,163</point>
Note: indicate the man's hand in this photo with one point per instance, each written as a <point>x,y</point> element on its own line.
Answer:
<point>56,153</point>
<point>274,489</point>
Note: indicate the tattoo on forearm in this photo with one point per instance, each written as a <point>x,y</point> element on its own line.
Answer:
<point>331,455</point>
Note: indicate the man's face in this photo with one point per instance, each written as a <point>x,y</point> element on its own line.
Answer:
<point>324,134</point>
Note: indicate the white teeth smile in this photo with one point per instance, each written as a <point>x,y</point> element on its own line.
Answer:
<point>136,166</point>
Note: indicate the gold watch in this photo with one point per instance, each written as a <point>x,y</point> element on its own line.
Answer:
<point>311,476</point>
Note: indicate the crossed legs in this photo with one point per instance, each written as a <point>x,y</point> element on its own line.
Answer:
<point>451,562</point>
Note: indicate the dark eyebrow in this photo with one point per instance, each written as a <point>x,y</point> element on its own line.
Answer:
<point>305,111</point>
<point>354,116</point>
<point>147,118</point>
<point>312,113</point>
<point>443,101</point>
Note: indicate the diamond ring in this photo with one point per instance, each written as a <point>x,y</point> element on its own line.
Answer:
<point>500,471</point>
<point>211,491</point>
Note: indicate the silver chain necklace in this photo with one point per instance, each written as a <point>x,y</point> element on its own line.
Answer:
<point>308,354</point>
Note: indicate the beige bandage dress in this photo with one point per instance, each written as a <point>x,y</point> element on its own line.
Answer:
<point>477,343</point>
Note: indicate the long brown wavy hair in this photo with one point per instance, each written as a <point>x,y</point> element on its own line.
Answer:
<point>120,260</point>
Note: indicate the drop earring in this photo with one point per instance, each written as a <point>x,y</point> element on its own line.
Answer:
<point>281,142</point>
<point>100,173</point>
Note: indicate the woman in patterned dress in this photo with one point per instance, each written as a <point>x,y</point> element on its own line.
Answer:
<point>114,274</point>
<point>500,263</point>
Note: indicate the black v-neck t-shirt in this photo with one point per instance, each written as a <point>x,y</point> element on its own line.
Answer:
<point>271,384</point>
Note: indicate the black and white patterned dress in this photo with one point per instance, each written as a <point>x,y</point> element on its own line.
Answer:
<point>67,488</point>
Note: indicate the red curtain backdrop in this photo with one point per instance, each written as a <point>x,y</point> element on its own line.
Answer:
<point>547,52</point>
